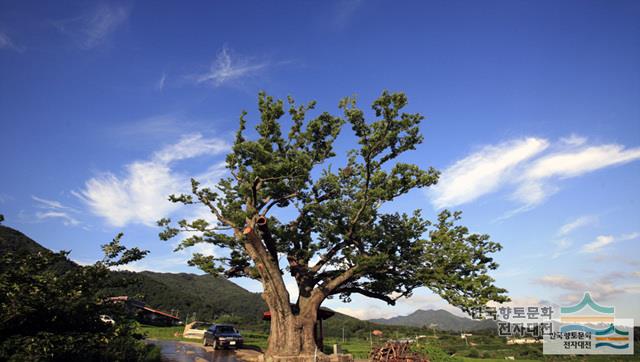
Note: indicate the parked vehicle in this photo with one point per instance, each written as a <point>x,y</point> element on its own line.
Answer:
<point>106,319</point>
<point>222,336</point>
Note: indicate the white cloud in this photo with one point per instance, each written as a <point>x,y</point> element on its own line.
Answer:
<point>344,11</point>
<point>7,43</point>
<point>154,129</point>
<point>51,204</point>
<point>161,264</point>
<point>562,246</point>
<point>535,186</point>
<point>160,83</point>
<point>604,287</point>
<point>483,172</point>
<point>600,242</point>
<point>573,140</point>
<point>227,68</point>
<point>604,240</point>
<point>582,221</point>
<point>67,220</point>
<point>520,164</point>
<point>629,236</point>
<point>94,27</point>
<point>561,281</point>
<point>140,196</point>
<point>563,241</point>
<point>53,209</point>
<point>191,146</point>
<point>172,263</point>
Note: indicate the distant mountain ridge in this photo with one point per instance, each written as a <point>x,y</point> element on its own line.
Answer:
<point>443,320</point>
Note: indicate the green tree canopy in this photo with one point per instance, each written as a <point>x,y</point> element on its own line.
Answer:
<point>50,309</point>
<point>339,242</point>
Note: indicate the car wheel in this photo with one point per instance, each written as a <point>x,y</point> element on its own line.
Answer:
<point>204,342</point>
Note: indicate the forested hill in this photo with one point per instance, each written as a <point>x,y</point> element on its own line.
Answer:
<point>213,298</point>
<point>206,296</point>
<point>12,240</point>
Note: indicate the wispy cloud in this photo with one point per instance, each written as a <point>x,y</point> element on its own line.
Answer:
<point>190,146</point>
<point>537,182</point>
<point>52,209</point>
<point>563,236</point>
<point>155,128</point>
<point>344,11</point>
<point>530,167</point>
<point>604,287</point>
<point>604,240</point>
<point>7,43</point>
<point>573,140</point>
<point>175,262</point>
<point>93,28</point>
<point>160,83</point>
<point>228,68</point>
<point>67,219</point>
<point>483,172</point>
<point>140,196</point>
<point>578,223</point>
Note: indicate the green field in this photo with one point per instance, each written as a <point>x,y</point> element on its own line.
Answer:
<point>447,347</point>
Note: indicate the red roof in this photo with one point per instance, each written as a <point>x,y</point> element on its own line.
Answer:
<point>160,312</point>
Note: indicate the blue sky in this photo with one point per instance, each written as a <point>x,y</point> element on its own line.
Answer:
<point>532,115</point>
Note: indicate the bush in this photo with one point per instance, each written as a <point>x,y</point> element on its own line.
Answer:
<point>473,353</point>
<point>50,311</point>
<point>435,354</point>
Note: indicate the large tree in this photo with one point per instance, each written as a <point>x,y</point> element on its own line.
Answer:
<point>338,241</point>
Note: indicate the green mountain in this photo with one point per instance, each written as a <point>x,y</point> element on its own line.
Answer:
<point>212,298</point>
<point>185,294</point>
<point>14,241</point>
<point>440,319</point>
<point>181,293</point>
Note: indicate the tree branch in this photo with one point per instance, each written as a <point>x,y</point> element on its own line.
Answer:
<point>366,293</point>
<point>328,287</point>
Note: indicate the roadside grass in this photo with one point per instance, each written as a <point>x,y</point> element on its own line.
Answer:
<point>359,348</point>
<point>252,340</point>
<point>469,359</point>
<point>165,333</point>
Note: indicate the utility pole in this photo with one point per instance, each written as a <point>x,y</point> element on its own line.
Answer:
<point>343,334</point>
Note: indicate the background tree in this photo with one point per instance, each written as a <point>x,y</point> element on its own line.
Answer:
<point>50,309</point>
<point>339,242</point>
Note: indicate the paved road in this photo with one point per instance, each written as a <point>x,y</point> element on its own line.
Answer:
<point>175,351</point>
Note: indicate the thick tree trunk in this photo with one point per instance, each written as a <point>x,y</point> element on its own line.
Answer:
<point>292,336</point>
